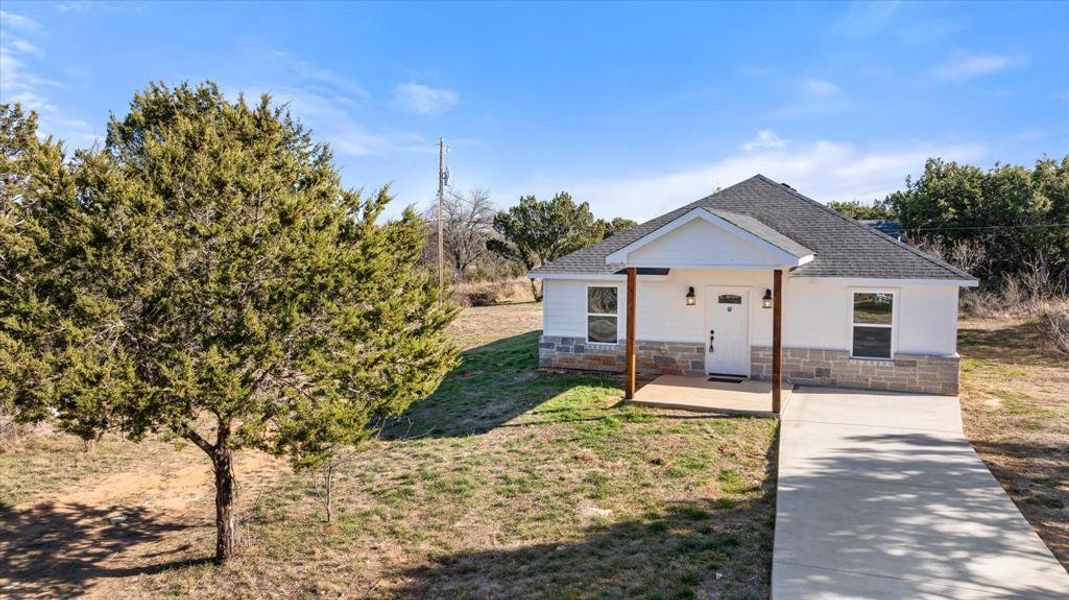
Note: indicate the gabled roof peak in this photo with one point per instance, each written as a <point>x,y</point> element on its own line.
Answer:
<point>843,247</point>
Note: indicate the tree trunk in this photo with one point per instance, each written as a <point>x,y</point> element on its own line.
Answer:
<point>226,524</point>
<point>534,291</point>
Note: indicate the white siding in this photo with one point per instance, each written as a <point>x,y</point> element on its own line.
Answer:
<point>564,307</point>
<point>928,320</point>
<point>814,315</point>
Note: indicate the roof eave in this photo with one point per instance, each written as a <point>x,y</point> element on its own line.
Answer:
<point>886,281</point>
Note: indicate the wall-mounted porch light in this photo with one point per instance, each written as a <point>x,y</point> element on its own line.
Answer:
<point>691,298</point>
<point>766,300</point>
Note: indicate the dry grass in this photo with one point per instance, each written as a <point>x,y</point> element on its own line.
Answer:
<point>489,293</point>
<point>1015,403</point>
<point>506,483</point>
<point>1055,320</point>
<point>39,463</point>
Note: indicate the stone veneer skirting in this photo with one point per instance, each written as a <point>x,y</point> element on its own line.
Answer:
<point>654,358</point>
<point>919,373</point>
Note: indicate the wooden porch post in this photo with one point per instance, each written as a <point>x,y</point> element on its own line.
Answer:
<point>777,338</point>
<point>629,386</point>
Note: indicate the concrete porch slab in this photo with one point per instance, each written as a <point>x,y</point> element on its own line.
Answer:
<point>701,395</point>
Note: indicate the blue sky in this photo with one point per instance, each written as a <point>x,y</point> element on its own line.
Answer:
<point>636,108</point>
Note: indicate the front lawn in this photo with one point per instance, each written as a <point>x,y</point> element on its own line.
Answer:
<point>506,483</point>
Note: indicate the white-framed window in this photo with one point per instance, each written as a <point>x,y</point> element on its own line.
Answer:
<point>872,324</point>
<point>602,314</point>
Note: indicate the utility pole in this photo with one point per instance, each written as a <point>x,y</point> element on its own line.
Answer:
<point>441,200</point>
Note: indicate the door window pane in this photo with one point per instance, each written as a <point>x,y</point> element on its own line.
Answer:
<point>601,330</point>
<point>872,342</point>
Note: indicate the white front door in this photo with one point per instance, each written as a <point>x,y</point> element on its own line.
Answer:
<point>727,325</point>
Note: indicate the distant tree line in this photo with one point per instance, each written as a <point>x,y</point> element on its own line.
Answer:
<point>996,223</point>
<point>479,242</point>
<point>879,210</point>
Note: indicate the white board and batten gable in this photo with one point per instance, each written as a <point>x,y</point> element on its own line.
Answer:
<point>701,239</point>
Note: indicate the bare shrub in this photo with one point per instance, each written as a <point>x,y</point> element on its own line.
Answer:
<point>1026,293</point>
<point>1038,282</point>
<point>1055,319</point>
<point>488,293</point>
<point>9,429</point>
<point>930,246</point>
<point>967,255</point>
<point>324,476</point>
<point>981,303</point>
<point>13,434</point>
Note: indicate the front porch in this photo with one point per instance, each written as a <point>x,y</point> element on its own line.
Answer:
<point>706,239</point>
<point>701,395</point>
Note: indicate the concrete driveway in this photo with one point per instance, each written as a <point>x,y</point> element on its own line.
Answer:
<point>880,496</point>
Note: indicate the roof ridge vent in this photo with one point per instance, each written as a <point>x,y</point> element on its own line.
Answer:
<point>787,186</point>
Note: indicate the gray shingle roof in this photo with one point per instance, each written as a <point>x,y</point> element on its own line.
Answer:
<point>783,217</point>
<point>766,233</point>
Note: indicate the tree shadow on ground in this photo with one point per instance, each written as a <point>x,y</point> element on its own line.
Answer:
<point>713,547</point>
<point>50,550</point>
<point>492,385</point>
<point>1040,489</point>
<point>496,384</point>
<point>1016,344</point>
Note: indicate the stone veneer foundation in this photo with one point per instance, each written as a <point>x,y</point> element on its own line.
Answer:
<point>653,358</point>
<point>918,373</point>
<point>921,373</point>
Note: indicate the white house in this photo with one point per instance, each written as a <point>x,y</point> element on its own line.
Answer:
<point>714,282</point>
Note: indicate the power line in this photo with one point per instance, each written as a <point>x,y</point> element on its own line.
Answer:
<point>441,241</point>
<point>1034,226</point>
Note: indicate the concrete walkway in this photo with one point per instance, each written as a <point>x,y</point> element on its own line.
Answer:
<point>880,496</point>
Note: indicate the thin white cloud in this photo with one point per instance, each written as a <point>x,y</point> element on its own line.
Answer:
<point>83,6</point>
<point>19,84</point>
<point>918,32</point>
<point>764,140</point>
<point>313,74</point>
<point>15,21</point>
<point>76,6</point>
<point>334,122</point>
<point>825,170</point>
<point>424,100</point>
<point>962,65</point>
<point>820,87</point>
<point>812,96</point>
<point>24,47</point>
<point>863,19</point>
<point>335,105</point>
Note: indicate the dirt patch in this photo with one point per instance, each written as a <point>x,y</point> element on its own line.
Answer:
<point>149,518</point>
